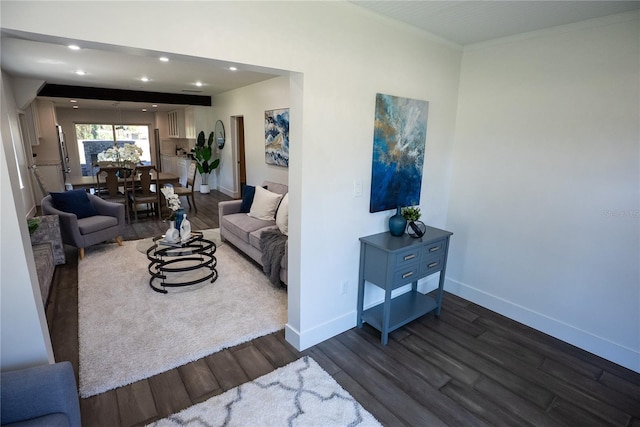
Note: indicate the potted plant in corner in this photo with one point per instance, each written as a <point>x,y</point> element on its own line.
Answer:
<point>415,228</point>
<point>202,154</point>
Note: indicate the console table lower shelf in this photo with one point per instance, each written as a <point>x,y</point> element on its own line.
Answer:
<point>404,309</point>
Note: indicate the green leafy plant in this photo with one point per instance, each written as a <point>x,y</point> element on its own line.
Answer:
<point>411,213</point>
<point>203,152</point>
<point>33,223</point>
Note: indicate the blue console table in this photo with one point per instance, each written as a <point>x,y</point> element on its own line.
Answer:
<point>390,262</point>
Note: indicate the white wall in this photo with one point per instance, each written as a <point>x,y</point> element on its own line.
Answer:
<point>545,193</point>
<point>342,56</point>
<point>24,332</point>
<point>250,102</point>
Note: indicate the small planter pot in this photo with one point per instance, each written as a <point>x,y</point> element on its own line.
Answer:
<point>204,188</point>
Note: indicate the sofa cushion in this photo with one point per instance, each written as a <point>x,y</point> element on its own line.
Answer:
<point>255,236</point>
<point>96,223</point>
<point>241,225</point>
<point>248,192</point>
<point>75,202</point>
<point>265,203</point>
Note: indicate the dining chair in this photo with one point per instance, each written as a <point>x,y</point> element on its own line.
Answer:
<point>114,184</point>
<point>147,191</point>
<point>188,190</point>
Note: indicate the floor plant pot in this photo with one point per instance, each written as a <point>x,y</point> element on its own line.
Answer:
<point>204,188</point>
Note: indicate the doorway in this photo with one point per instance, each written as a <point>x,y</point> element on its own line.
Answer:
<point>241,162</point>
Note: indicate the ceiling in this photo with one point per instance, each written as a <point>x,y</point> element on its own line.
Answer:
<point>461,22</point>
<point>469,22</point>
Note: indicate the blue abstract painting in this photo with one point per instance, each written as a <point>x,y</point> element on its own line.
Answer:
<point>276,137</point>
<point>399,138</point>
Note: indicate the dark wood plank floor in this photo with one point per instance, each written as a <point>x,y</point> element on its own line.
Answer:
<point>469,367</point>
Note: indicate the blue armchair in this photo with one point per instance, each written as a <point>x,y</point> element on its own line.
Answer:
<point>40,396</point>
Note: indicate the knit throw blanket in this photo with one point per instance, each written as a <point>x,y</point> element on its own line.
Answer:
<point>272,245</point>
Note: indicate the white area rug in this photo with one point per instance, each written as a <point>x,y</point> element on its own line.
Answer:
<point>129,332</point>
<point>299,394</point>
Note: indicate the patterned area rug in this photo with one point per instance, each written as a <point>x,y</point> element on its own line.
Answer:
<point>129,332</point>
<point>299,394</point>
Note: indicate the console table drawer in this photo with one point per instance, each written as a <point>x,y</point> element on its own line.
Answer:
<point>407,257</point>
<point>434,249</point>
<point>408,274</point>
<point>431,266</point>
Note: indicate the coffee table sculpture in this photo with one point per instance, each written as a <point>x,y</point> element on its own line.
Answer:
<point>181,265</point>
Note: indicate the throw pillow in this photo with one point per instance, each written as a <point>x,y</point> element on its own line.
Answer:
<point>282,216</point>
<point>76,202</point>
<point>264,204</point>
<point>248,192</point>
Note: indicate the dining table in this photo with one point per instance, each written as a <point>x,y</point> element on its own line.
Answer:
<point>89,182</point>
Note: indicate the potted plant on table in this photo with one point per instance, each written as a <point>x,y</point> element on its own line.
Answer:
<point>202,153</point>
<point>415,228</point>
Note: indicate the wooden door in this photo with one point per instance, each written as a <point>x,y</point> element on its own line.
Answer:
<point>242,167</point>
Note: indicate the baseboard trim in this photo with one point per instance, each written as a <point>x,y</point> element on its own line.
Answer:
<point>585,340</point>
<point>324,331</point>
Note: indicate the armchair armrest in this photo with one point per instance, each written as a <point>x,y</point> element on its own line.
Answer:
<point>229,207</point>
<point>39,391</point>
<point>106,208</point>
<point>68,223</point>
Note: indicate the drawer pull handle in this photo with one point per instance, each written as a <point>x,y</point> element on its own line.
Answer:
<point>433,264</point>
<point>408,257</point>
<point>409,274</point>
<point>433,249</point>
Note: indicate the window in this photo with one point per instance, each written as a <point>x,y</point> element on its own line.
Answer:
<point>94,138</point>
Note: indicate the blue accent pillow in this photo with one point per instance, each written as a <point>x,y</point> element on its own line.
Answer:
<point>75,201</point>
<point>248,192</point>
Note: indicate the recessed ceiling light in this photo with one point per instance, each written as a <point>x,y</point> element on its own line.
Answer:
<point>81,72</point>
<point>233,68</point>
<point>155,105</point>
<point>74,47</point>
<point>144,110</point>
<point>198,84</point>
<point>73,101</point>
<point>164,59</point>
<point>144,79</point>
<point>75,107</point>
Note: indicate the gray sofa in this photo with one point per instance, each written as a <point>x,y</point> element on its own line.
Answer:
<point>244,232</point>
<point>44,395</point>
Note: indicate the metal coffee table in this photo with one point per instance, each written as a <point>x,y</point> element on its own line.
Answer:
<point>181,266</point>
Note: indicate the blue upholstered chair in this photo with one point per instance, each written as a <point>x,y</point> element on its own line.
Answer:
<point>40,396</point>
<point>85,219</point>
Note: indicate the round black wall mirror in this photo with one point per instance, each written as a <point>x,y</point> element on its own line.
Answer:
<point>220,134</point>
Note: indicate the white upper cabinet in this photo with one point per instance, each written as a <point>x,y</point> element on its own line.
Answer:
<point>198,119</point>
<point>176,124</point>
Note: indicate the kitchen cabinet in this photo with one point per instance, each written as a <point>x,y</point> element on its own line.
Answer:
<point>198,119</point>
<point>182,167</point>
<point>179,165</point>
<point>390,262</point>
<point>176,124</point>
<point>169,163</point>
